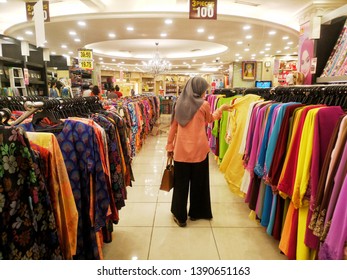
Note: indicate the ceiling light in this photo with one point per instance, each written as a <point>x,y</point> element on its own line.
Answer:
<point>184,63</point>
<point>261,52</point>
<point>272,32</point>
<point>20,38</point>
<point>290,43</point>
<point>253,54</point>
<point>130,28</point>
<point>201,30</point>
<point>168,21</point>
<point>246,49</point>
<point>267,55</point>
<point>278,51</point>
<point>72,33</point>
<point>3,1</point>
<point>194,60</point>
<point>64,46</point>
<point>53,53</point>
<point>240,57</point>
<point>70,52</point>
<point>246,27</point>
<point>249,37</point>
<point>211,37</point>
<point>81,23</point>
<point>246,3</point>
<point>111,35</point>
<point>77,40</point>
<point>239,42</point>
<point>285,37</point>
<point>267,49</point>
<point>163,35</point>
<point>237,54</point>
<point>113,60</point>
<point>268,44</point>
<point>29,32</point>
<point>237,60</point>
<point>287,48</point>
<point>157,65</point>
<point>100,58</point>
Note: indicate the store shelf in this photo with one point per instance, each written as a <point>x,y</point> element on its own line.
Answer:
<point>335,79</point>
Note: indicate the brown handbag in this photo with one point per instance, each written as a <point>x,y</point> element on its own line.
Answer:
<point>168,176</point>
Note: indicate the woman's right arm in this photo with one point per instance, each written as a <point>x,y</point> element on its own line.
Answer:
<point>172,135</point>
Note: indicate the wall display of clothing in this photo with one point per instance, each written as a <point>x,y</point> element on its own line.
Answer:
<point>50,210</point>
<point>291,158</point>
<point>337,62</point>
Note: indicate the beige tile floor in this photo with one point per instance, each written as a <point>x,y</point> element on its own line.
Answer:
<point>146,230</point>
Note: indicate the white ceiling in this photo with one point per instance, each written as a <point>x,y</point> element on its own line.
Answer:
<point>182,46</point>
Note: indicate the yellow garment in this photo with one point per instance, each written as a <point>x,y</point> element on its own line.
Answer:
<point>232,164</point>
<point>60,191</point>
<point>304,160</point>
<point>302,251</point>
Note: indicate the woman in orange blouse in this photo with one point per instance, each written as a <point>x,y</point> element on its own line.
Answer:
<point>188,145</point>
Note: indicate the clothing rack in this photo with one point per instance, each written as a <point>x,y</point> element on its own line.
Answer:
<point>331,95</point>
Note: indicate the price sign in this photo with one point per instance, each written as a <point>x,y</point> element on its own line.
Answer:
<point>200,9</point>
<point>85,58</point>
<point>29,7</point>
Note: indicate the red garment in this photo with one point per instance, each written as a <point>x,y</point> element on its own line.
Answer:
<point>118,93</point>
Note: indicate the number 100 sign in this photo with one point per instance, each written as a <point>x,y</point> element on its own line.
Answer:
<point>203,9</point>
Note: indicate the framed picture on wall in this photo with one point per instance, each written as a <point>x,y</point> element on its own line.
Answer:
<point>249,69</point>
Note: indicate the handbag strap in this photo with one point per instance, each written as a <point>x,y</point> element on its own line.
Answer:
<point>169,161</point>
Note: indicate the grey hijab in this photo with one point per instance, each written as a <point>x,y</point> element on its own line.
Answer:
<point>190,100</point>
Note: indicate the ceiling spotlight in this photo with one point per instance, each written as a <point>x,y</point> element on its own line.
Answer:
<point>130,28</point>
<point>201,30</point>
<point>111,35</point>
<point>53,53</point>
<point>163,35</point>
<point>290,43</point>
<point>285,37</point>
<point>278,51</point>
<point>249,37</point>
<point>268,44</point>
<point>246,27</point>
<point>64,46</point>
<point>211,37</point>
<point>72,33</point>
<point>239,42</point>
<point>168,21</point>
<point>29,32</point>
<point>20,38</point>
<point>286,48</point>
<point>81,23</point>
<point>246,49</point>
<point>272,32</point>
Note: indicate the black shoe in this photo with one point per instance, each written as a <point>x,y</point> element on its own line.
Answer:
<point>193,219</point>
<point>180,224</point>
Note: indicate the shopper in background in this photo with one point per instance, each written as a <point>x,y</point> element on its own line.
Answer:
<point>118,92</point>
<point>188,145</point>
<point>112,94</point>
<point>132,92</point>
<point>54,91</point>
<point>95,91</point>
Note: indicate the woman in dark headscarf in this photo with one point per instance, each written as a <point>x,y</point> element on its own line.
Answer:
<point>188,145</point>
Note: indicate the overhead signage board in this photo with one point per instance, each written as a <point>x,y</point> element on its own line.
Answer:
<point>29,7</point>
<point>199,9</point>
<point>85,58</point>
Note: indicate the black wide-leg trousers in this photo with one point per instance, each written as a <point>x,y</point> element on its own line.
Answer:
<point>192,179</point>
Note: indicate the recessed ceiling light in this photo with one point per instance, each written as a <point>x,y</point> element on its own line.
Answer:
<point>70,52</point>
<point>113,60</point>
<point>240,57</point>
<point>122,62</point>
<point>246,27</point>
<point>211,37</point>
<point>218,58</point>
<point>253,54</point>
<point>285,37</point>
<point>20,38</point>
<point>130,28</point>
<point>272,32</point>
<point>29,32</point>
<point>237,54</point>
<point>100,58</point>
<point>72,33</point>
<point>194,60</point>
<point>237,60</point>
<point>81,23</point>
<point>53,53</point>
<point>239,42</point>
<point>168,21</point>
<point>201,30</point>
<point>249,37</point>
<point>287,48</point>
<point>268,44</point>
<point>246,49</point>
<point>77,40</point>
<point>267,55</point>
<point>278,51</point>
<point>290,43</point>
<point>64,46</point>
<point>267,49</point>
<point>295,52</point>
<point>184,63</point>
<point>261,52</point>
<point>163,35</point>
<point>111,35</point>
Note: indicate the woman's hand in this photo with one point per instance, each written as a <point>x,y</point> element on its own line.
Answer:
<point>170,154</point>
<point>226,107</point>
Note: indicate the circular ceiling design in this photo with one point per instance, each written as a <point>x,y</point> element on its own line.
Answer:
<point>145,48</point>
